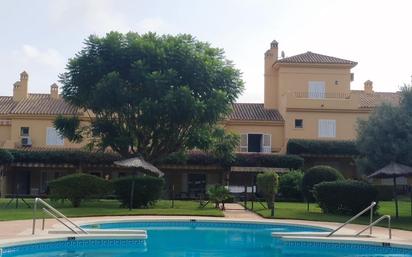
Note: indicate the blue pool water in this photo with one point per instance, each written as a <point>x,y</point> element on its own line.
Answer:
<point>201,239</point>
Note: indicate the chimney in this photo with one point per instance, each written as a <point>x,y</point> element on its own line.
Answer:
<point>20,88</point>
<point>54,91</point>
<point>368,87</point>
<point>271,56</point>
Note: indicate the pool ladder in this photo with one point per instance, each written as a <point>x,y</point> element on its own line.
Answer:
<point>48,209</point>
<point>371,222</point>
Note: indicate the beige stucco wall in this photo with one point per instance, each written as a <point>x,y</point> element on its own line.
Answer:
<point>276,130</point>
<point>5,133</point>
<point>37,130</point>
<point>345,124</point>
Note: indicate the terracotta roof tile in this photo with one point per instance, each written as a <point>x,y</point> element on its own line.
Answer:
<point>254,112</point>
<point>376,98</point>
<point>40,104</point>
<point>315,58</point>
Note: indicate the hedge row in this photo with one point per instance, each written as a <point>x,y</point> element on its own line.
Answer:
<point>191,158</point>
<point>241,159</point>
<point>335,147</point>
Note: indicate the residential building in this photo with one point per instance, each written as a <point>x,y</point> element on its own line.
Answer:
<point>306,96</point>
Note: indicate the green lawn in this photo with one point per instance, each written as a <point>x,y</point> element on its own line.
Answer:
<point>109,208</point>
<point>288,210</point>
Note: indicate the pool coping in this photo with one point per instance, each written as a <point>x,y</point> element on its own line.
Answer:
<point>41,237</point>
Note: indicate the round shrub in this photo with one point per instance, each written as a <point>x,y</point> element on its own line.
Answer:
<point>78,187</point>
<point>290,185</point>
<point>316,175</point>
<point>147,190</point>
<point>267,184</point>
<point>219,195</point>
<point>5,157</point>
<point>344,197</point>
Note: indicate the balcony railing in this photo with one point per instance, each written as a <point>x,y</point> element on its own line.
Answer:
<point>322,95</point>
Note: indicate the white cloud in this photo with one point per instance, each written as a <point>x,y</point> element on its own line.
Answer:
<point>49,57</point>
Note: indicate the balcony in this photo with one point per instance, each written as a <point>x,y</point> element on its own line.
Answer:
<point>322,100</point>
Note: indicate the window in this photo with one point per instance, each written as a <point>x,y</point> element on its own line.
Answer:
<point>316,89</point>
<point>327,128</point>
<point>24,131</point>
<point>298,123</point>
<point>53,137</point>
<point>255,143</point>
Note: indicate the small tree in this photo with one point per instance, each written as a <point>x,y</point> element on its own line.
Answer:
<point>78,187</point>
<point>268,185</point>
<point>5,159</point>
<point>316,175</point>
<point>218,194</point>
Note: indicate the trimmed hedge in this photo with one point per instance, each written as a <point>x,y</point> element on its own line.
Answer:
<point>241,159</point>
<point>344,197</point>
<point>290,185</point>
<point>385,193</point>
<point>70,157</point>
<point>5,157</point>
<point>326,147</point>
<point>78,187</point>
<point>316,175</point>
<point>147,190</point>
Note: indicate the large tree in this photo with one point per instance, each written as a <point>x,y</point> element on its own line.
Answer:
<point>386,136</point>
<point>148,94</point>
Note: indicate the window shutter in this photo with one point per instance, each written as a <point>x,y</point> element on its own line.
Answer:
<point>53,137</point>
<point>316,89</point>
<point>327,128</point>
<point>243,143</point>
<point>267,143</point>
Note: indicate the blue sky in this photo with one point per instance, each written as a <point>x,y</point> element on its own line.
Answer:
<point>39,36</point>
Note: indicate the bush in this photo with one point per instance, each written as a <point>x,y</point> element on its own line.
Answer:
<point>316,175</point>
<point>78,187</point>
<point>290,185</point>
<point>385,193</point>
<point>344,197</point>
<point>218,194</point>
<point>5,157</point>
<point>267,184</point>
<point>336,147</point>
<point>268,160</point>
<point>147,190</point>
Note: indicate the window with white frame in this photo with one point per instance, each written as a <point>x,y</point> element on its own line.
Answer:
<point>255,143</point>
<point>327,128</point>
<point>53,137</point>
<point>316,89</point>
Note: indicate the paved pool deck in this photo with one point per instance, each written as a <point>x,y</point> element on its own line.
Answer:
<point>21,229</point>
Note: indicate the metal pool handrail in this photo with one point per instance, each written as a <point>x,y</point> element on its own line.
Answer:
<point>370,207</point>
<point>55,214</point>
<point>376,222</point>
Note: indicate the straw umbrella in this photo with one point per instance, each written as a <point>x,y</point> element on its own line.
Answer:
<point>137,163</point>
<point>394,170</point>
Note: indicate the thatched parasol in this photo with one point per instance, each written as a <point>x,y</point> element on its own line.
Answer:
<point>394,170</point>
<point>138,164</point>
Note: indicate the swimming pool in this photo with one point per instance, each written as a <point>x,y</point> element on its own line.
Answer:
<point>203,239</point>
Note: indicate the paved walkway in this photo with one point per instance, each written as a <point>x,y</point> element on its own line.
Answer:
<point>237,211</point>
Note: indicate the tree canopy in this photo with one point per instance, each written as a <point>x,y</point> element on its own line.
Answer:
<point>387,135</point>
<point>148,94</point>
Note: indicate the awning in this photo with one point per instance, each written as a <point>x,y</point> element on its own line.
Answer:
<point>257,169</point>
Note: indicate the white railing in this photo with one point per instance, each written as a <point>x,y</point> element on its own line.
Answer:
<point>376,222</point>
<point>370,207</point>
<point>48,209</point>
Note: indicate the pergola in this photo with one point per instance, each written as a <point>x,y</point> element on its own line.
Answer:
<point>138,163</point>
<point>394,170</point>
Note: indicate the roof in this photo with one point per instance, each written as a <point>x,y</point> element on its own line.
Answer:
<point>315,58</point>
<point>39,104</point>
<point>377,98</point>
<point>254,112</point>
<point>392,170</point>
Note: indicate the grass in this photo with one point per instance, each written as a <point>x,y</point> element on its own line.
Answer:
<point>289,210</point>
<point>109,208</point>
